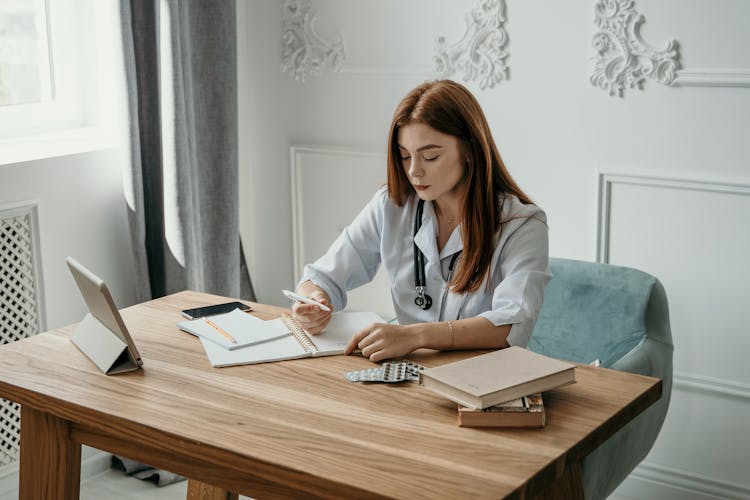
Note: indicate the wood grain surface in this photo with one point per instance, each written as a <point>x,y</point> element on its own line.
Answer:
<point>298,427</point>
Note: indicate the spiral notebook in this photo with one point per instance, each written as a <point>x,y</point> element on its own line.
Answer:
<point>297,343</point>
<point>245,329</point>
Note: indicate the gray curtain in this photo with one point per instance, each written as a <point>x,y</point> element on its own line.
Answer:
<point>182,187</point>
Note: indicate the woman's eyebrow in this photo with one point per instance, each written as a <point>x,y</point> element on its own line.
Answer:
<point>428,146</point>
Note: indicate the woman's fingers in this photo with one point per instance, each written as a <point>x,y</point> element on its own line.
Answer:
<point>321,297</point>
<point>312,321</point>
<point>319,326</point>
<point>354,342</point>
<point>382,341</point>
<point>369,341</point>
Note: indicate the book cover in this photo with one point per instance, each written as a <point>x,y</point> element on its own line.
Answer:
<point>496,377</point>
<point>527,411</point>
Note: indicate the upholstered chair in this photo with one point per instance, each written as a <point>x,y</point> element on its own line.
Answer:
<point>619,316</point>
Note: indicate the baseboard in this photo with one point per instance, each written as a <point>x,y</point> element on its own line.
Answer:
<point>8,479</point>
<point>91,466</point>
<point>650,480</point>
<point>96,464</point>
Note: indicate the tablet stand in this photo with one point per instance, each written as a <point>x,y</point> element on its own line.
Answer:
<point>103,347</point>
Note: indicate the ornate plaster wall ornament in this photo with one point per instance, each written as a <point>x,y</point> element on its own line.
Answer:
<point>480,55</point>
<point>623,58</point>
<point>305,52</point>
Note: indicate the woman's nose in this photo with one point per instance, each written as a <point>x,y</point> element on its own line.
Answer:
<point>415,169</point>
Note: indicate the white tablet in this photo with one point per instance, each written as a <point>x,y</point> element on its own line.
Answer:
<point>94,334</point>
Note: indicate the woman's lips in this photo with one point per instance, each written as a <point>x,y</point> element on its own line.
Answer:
<point>421,188</point>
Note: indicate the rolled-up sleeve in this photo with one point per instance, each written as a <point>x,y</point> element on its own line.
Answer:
<point>522,267</point>
<point>354,257</point>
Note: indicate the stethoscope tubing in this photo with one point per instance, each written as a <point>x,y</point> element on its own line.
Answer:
<point>423,300</point>
<point>419,272</point>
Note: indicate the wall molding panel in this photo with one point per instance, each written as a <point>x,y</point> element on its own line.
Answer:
<point>316,222</point>
<point>711,77</point>
<point>480,56</point>
<point>714,386</point>
<point>623,59</point>
<point>670,483</point>
<point>606,180</point>
<point>300,160</point>
<point>619,196</point>
<point>304,51</point>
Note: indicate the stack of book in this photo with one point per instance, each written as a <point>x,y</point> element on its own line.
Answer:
<point>527,411</point>
<point>499,389</point>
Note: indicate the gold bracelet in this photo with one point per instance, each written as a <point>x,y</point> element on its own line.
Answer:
<point>450,325</point>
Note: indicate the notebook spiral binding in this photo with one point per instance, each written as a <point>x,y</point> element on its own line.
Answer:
<point>299,334</point>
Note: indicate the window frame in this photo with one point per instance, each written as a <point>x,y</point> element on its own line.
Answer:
<point>85,63</point>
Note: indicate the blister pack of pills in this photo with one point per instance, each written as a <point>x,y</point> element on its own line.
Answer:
<point>391,371</point>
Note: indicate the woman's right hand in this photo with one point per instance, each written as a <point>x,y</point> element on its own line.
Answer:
<point>311,317</point>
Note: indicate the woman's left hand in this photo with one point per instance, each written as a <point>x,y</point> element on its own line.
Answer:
<point>384,341</point>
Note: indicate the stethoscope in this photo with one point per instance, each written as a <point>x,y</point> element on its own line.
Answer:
<point>423,300</point>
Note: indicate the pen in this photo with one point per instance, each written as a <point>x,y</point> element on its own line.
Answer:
<point>220,330</point>
<point>307,300</point>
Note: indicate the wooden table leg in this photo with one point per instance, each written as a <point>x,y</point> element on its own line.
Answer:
<point>568,486</point>
<point>50,465</point>
<point>201,491</point>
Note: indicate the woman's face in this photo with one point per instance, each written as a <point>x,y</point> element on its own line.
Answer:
<point>433,161</point>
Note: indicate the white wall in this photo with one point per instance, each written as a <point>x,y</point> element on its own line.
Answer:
<point>674,159</point>
<point>82,213</point>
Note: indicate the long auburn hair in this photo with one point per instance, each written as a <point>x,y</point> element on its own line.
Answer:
<point>450,108</point>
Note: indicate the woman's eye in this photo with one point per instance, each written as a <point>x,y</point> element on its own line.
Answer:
<point>433,158</point>
<point>405,158</point>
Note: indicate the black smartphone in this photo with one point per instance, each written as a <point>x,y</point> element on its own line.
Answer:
<point>202,312</point>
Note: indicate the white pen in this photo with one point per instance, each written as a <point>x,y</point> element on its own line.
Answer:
<point>307,300</point>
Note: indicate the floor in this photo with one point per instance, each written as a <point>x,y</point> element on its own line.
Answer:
<point>114,485</point>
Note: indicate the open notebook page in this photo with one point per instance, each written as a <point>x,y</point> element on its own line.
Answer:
<point>343,326</point>
<point>341,329</point>
<point>273,350</point>
<point>246,329</point>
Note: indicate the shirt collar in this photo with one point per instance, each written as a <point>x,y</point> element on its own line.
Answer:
<point>426,237</point>
<point>455,243</point>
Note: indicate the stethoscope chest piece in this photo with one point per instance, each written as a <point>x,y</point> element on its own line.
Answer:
<point>423,300</point>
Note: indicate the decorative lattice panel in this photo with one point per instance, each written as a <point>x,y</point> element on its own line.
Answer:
<point>10,442</point>
<point>20,304</point>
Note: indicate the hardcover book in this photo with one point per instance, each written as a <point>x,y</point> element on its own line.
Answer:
<point>527,411</point>
<point>496,377</point>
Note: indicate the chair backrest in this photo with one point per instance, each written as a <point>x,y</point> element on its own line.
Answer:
<point>619,316</point>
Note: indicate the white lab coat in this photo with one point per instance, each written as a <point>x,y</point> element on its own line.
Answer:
<point>382,233</point>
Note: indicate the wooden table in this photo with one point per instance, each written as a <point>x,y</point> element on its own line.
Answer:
<point>294,428</point>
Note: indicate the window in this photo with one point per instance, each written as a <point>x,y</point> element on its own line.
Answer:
<point>24,53</point>
<point>57,76</point>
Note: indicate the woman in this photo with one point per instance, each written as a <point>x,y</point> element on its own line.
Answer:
<point>464,248</point>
